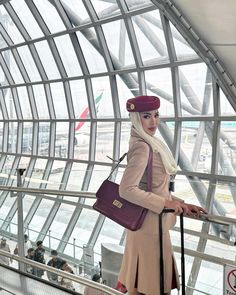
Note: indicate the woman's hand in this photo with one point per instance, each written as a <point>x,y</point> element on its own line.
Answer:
<point>175,205</point>
<point>193,210</point>
<point>185,208</point>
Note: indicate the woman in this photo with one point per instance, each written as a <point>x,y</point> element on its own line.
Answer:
<point>140,269</point>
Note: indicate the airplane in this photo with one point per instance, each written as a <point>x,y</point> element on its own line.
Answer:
<point>85,114</point>
<point>82,130</point>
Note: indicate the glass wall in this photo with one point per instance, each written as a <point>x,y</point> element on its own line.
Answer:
<point>66,71</point>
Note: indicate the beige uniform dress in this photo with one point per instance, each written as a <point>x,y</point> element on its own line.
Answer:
<point>141,262</point>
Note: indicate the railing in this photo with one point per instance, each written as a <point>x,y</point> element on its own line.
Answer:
<point>221,220</point>
<point>216,219</point>
<point>204,217</point>
<point>225,221</point>
<point>81,280</point>
<point>204,252</point>
<point>77,262</point>
<point>15,189</point>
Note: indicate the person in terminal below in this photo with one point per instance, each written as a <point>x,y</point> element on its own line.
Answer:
<point>5,247</point>
<point>92,291</point>
<point>27,246</point>
<point>39,257</point>
<point>30,255</point>
<point>55,262</point>
<point>64,282</point>
<point>140,269</point>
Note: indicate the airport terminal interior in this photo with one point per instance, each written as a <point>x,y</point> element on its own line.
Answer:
<point>67,68</point>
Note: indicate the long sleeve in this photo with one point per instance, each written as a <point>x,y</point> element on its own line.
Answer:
<point>129,186</point>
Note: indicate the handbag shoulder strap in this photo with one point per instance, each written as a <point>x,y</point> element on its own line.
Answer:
<point>149,167</point>
<point>149,170</point>
<point>118,163</point>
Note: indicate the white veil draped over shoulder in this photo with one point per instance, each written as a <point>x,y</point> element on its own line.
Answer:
<point>157,145</point>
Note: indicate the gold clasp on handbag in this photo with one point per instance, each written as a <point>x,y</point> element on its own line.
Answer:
<point>117,203</point>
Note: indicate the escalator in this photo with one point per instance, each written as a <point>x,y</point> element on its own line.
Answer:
<point>15,282</point>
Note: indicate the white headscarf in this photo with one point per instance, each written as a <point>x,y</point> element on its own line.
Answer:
<point>157,145</point>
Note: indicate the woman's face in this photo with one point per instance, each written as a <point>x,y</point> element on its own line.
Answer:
<point>150,121</point>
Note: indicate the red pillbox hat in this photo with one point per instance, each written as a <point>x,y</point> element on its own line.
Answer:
<point>142,103</point>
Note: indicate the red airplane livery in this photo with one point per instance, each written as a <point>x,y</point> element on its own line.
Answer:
<point>85,114</point>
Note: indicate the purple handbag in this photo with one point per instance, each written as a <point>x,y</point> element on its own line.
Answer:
<point>110,204</point>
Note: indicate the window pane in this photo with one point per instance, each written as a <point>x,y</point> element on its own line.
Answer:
<point>182,48</point>
<point>3,78</point>
<point>105,9</point>
<point>59,225</point>
<point>27,203</point>
<point>62,136</point>
<point>24,102</point>
<point>225,107</point>
<point>29,63</point>
<point>41,101</point>
<point>76,177</point>
<point>79,9</point>
<point>227,160</point>
<point>111,232</point>
<point>13,225</point>
<point>79,97</point>
<point>125,136</point>
<point>104,141</point>
<point>50,15</point>
<point>81,232</point>
<point>124,93</point>
<point>55,177</point>
<point>225,196</point>
<point>1,138</point>
<point>27,18</point>
<point>47,59</point>
<point>43,138</point>
<point>102,97</point>
<point>94,59</point>
<point>9,26</point>
<point>13,67</point>
<point>196,146</point>
<point>4,209</point>
<point>3,43</point>
<point>37,175</point>
<point>159,83</point>
<point>24,162</point>
<point>133,5</point>
<point>68,56</point>
<point>82,146</point>
<point>12,137</point>
<point>192,191</point>
<point>99,174</point>
<point>196,90</point>
<point>37,222</point>
<point>119,46</point>
<point>150,38</point>
<point>10,104</point>
<point>27,138</point>
<point>59,100</point>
